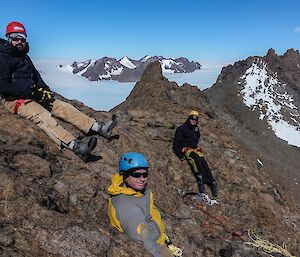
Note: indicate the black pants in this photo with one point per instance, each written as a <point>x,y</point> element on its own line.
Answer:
<point>200,168</point>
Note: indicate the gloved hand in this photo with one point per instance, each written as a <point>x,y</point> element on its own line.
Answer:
<point>43,95</point>
<point>176,251</point>
<point>200,149</point>
<point>166,252</point>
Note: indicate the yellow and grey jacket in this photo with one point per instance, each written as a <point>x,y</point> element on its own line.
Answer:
<point>134,214</point>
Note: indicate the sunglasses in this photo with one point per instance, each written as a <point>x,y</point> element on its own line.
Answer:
<point>16,39</point>
<point>138,175</point>
<point>194,117</point>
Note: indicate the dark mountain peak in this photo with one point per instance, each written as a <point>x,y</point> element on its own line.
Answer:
<point>271,53</point>
<point>293,53</point>
<point>156,92</point>
<point>153,73</point>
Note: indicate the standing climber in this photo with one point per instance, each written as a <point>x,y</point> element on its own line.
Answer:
<point>24,92</point>
<point>131,207</point>
<point>185,146</point>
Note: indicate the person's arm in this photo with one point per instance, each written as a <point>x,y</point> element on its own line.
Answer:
<point>198,135</point>
<point>6,87</point>
<point>177,145</point>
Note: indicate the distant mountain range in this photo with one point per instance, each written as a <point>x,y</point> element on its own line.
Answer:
<point>126,69</point>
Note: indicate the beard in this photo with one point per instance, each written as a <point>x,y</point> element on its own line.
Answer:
<point>20,46</point>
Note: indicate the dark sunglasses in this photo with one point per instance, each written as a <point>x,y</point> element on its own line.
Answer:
<point>16,39</point>
<point>138,175</point>
<point>194,117</point>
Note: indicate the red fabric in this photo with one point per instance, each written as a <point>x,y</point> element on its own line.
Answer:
<point>198,149</point>
<point>18,104</point>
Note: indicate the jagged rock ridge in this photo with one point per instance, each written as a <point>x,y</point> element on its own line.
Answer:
<point>126,69</point>
<point>53,204</point>
<point>260,97</point>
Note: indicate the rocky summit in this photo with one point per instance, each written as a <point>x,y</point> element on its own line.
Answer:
<point>53,204</point>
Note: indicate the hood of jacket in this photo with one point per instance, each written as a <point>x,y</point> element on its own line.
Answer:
<point>118,187</point>
<point>11,50</point>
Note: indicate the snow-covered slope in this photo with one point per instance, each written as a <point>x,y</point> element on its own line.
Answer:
<point>265,89</point>
<point>127,63</point>
<point>259,101</point>
<point>262,90</point>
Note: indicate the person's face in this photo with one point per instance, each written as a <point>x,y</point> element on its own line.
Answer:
<point>18,42</point>
<point>138,179</point>
<point>193,120</point>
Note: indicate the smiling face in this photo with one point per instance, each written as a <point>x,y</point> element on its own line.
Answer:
<point>138,179</point>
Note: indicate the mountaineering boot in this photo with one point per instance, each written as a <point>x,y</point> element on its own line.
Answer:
<point>83,149</point>
<point>214,188</point>
<point>105,129</point>
<point>201,185</point>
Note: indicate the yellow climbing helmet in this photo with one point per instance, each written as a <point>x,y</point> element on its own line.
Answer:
<point>194,114</point>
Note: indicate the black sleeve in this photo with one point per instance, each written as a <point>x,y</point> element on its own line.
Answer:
<point>177,145</point>
<point>198,135</point>
<point>6,87</point>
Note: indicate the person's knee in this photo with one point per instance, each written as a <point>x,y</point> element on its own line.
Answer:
<point>47,119</point>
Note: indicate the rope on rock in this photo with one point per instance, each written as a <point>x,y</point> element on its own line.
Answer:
<point>267,247</point>
<point>237,234</point>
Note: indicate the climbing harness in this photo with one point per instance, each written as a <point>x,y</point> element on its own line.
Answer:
<point>266,246</point>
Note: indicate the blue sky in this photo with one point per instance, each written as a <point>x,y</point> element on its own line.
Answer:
<point>211,30</point>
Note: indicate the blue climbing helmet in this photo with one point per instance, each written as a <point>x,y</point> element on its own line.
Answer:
<point>131,161</point>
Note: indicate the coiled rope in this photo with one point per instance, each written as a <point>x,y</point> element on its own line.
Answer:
<point>266,246</point>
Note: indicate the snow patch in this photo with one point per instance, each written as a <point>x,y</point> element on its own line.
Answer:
<point>146,58</point>
<point>104,76</point>
<point>116,71</point>
<point>166,66</point>
<point>85,69</point>
<point>263,91</point>
<point>127,63</point>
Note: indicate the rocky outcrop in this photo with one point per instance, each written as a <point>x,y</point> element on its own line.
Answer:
<point>53,204</point>
<point>258,99</point>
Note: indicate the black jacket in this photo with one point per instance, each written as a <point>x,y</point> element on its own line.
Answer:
<point>185,136</point>
<point>17,72</point>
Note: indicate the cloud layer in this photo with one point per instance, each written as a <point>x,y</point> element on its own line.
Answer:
<point>297,29</point>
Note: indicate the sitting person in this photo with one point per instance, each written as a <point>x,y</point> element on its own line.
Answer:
<point>185,146</point>
<point>24,93</point>
<point>131,207</point>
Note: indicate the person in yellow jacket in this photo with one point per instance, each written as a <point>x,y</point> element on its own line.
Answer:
<point>131,208</point>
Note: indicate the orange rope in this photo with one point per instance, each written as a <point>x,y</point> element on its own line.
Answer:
<point>222,224</point>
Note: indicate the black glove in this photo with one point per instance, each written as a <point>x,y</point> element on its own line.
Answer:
<point>44,96</point>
